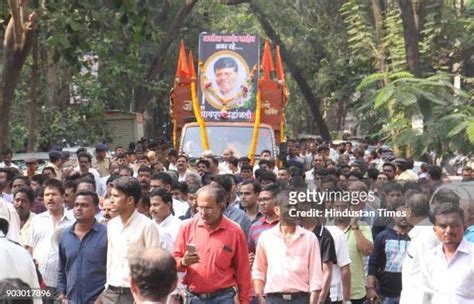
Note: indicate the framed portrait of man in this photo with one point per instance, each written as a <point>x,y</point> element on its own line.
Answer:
<point>228,75</point>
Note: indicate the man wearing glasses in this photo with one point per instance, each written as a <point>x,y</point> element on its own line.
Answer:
<point>211,249</point>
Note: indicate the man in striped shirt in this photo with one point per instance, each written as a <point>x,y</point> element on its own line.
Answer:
<point>270,218</point>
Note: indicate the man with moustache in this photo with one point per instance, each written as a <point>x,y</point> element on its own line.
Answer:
<point>144,178</point>
<point>182,166</point>
<point>385,263</point>
<point>161,206</point>
<point>226,71</point>
<point>83,253</point>
<point>107,213</point>
<point>23,200</point>
<point>448,269</point>
<point>45,227</point>
<point>211,249</point>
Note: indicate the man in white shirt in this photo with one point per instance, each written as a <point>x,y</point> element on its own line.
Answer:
<point>6,179</point>
<point>224,166</point>
<point>45,231</point>
<point>23,202</point>
<point>182,165</point>
<point>164,180</point>
<point>161,204</point>
<point>448,269</point>
<point>15,262</point>
<point>422,240</point>
<point>85,160</point>
<point>129,230</point>
<point>7,159</point>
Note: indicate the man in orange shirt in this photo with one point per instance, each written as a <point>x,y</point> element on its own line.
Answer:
<point>212,250</point>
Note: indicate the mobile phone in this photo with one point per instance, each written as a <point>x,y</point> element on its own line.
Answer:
<point>191,248</point>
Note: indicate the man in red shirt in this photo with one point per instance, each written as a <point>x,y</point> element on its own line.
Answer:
<point>212,250</point>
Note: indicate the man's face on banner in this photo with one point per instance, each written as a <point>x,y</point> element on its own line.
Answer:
<point>226,79</point>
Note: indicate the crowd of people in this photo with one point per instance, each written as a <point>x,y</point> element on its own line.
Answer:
<point>153,226</point>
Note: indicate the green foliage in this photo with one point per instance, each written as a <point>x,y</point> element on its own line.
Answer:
<point>81,125</point>
<point>332,41</point>
<point>406,97</point>
<point>394,41</point>
<point>360,36</point>
<point>123,36</point>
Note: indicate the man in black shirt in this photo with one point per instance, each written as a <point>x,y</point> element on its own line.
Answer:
<point>326,246</point>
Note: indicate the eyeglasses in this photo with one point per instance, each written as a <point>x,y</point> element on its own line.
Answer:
<point>205,209</point>
<point>264,199</point>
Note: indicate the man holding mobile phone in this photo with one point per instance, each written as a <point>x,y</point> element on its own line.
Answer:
<point>212,250</point>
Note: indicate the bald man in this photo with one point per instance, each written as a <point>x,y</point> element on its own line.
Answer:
<point>153,275</point>
<point>212,250</point>
<point>224,166</point>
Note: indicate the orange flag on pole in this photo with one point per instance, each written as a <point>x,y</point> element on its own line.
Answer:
<point>192,71</point>
<point>182,71</point>
<point>267,62</point>
<point>279,64</point>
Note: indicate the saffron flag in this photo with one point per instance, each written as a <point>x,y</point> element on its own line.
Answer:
<point>279,64</point>
<point>192,71</point>
<point>182,71</point>
<point>267,62</point>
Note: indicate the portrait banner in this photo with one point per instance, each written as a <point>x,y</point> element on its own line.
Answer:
<point>228,76</point>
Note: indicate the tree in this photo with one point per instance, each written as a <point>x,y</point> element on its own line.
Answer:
<point>450,127</point>
<point>313,102</point>
<point>416,41</point>
<point>17,44</point>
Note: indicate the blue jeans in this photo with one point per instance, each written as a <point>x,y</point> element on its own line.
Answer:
<point>225,298</point>
<point>388,300</point>
<point>277,300</point>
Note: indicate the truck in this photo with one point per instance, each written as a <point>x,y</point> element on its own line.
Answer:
<point>228,103</point>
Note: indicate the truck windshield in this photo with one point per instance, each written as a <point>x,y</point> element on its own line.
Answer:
<point>237,138</point>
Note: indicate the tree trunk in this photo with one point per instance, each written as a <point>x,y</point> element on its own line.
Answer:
<point>378,19</point>
<point>14,56</point>
<point>33,108</point>
<point>419,11</point>
<point>314,102</point>
<point>411,36</point>
<point>52,79</point>
<point>143,94</point>
<point>378,23</point>
<point>64,93</point>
